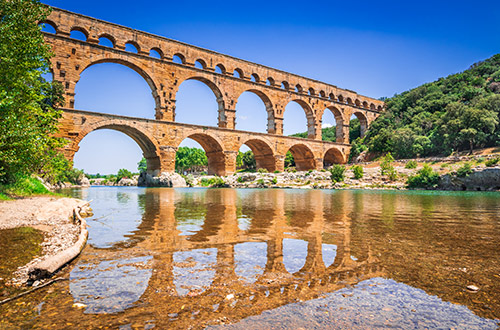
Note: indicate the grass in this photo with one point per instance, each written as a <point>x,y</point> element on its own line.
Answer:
<point>23,187</point>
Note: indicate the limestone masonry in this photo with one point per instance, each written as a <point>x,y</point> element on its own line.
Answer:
<point>228,77</point>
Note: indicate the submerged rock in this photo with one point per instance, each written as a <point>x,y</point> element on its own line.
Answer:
<point>484,179</point>
<point>163,180</point>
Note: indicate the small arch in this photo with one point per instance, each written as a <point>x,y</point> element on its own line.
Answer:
<point>200,64</point>
<point>349,101</point>
<point>333,156</point>
<point>220,69</point>
<point>214,151</point>
<point>298,89</point>
<point>79,33</point>
<point>311,91</point>
<point>357,103</point>
<point>179,58</point>
<point>263,154</point>
<point>379,108</point>
<point>372,106</point>
<point>107,41</point>
<point>365,105</point>
<point>322,94</point>
<point>132,47</point>
<point>285,85</point>
<point>340,98</point>
<point>303,156</point>
<point>331,96</point>
<point>270,81</point>
<point>238,73</point>
<point>48,27</point>
<point>156,52</point>
<point>255,78</point>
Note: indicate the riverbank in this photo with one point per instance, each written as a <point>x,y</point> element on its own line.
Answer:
<point>51,216</point>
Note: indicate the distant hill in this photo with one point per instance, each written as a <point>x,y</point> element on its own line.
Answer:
<point>459,112</point>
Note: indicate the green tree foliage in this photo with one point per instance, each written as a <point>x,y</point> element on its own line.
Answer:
<point>27,116</point>
<point>426,177</point>
<point>123,173</point>
<point>289,160</point>
<point>337,173</point>
<point>358,172</point>
<point>142,165</point>
<point>459,112</point>
<point>412,164</point>
<point>190,159</point>
<point>464,170</point>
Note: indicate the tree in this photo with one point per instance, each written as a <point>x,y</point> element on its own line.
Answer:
<point>28,119</point>
<point>289,160</point>
<point>190,159</point>
<point>142,165</point>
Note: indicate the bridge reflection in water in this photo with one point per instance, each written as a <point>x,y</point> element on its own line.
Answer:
<point>180,258</point>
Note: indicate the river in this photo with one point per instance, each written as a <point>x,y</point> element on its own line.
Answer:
<point>277,259</point>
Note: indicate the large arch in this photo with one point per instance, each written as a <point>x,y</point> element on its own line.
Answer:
<point>147,77</point>
<point>271,124</point>
<point>310,119</point>
<point>149,146</point>
<point>339,123</point>
<point>221,119</point>
<point>363,122</point>
<point>263,153</point>
<point>333,156</point>
<point>303,156</point>
<point>214,151</point>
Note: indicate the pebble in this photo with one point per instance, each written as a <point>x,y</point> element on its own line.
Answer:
<point>79,305</point>
<point>472,288</point>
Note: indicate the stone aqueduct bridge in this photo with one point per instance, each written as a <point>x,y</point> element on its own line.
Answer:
<point>228,77</point>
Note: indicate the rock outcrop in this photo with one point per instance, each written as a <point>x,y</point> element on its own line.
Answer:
<point>479,179</point>
<point>163,180</point>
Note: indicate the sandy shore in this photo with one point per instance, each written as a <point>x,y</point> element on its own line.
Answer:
<point>52,215</point>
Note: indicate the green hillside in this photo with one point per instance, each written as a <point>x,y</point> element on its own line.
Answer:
<point>456,113</point>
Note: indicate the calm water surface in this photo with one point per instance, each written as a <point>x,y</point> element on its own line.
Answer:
<point>277,259</point>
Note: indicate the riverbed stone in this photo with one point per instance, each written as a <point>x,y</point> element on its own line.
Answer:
<point>479,179</point>
<point>163,180</point>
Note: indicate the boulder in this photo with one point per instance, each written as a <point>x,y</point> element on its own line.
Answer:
<point>127,182</point>
<point>163,180</point>
<point>480,179</point>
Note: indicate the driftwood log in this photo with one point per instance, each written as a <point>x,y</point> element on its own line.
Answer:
<point>49,266</point>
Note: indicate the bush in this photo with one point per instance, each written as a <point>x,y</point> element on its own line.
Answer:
<point>240,179</point>
<point>216,182</point>
<point>392,174</point>
<point>262,170</point>
<point>358,171</point>
<point>23,186</point>
<point>411,164</point>
<point>386,164</point>
<point>277,171</point>
<point>425,178</point>
<point>464,170</point>
<point>337,173</point>
<point>274,180</point>
<point>492,162</point>
<point>260,182</point>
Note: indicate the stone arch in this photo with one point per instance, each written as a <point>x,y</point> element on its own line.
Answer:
<point>109,37</point>
<point>50,23</point>
<point>149,146</point>
<point>158,51</point>
<point>181,58</point>
<point>311,127</point>
<point>363,122</point>
<point>135,45</point>
<point>333,156</point>
<point>271,123</point>
<point>201,63</point>
<point>303,156</point>
<point>222,120</point>
<point>80,29</point>
<point>220,69</point>
<point>255,78</point>
<point>339,123</point>
<point>263,153</point>
<point>213,149</point>
<point>149,80</point>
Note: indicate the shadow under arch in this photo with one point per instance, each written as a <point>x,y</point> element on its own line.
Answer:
<point>311,129</point>
<point>363,122</point>
<point>303,156</point>
<point>221,119</point>
<point>263,154</point>
<point>214,151</point>
<point>136,68</point>
<point>333,156</point>
<point>150,149</point>
<point>271,123</point>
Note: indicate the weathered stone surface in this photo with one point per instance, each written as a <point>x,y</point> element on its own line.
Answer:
<point>480,179</point>
<point>127,182</point>
<point>173,180</point>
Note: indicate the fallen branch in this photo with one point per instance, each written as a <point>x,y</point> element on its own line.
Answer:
<point>49,266</point>
<point>32,290</point>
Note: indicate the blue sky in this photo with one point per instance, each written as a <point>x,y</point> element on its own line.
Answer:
<point>377,48</point>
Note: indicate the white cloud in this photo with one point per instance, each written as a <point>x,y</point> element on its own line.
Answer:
<point>326,125</point>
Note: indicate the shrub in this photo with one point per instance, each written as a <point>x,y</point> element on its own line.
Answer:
<point>215,182</point>
<point>392,174</point>
<point>492,162</point>
<point>337,173</point>
<point>274,180</point>
<point>386,164</point>
<point>464,170</point>
<point>411,164</point>
<point>262,170</point>
<point>260,182</point>
<point>480,160</point>
<point>425,178</point>
<point>240,179</point>
<point>277,171</point>
<point>358,171</point>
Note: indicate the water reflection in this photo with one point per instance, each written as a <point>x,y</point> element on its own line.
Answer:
<point>183,258</point>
